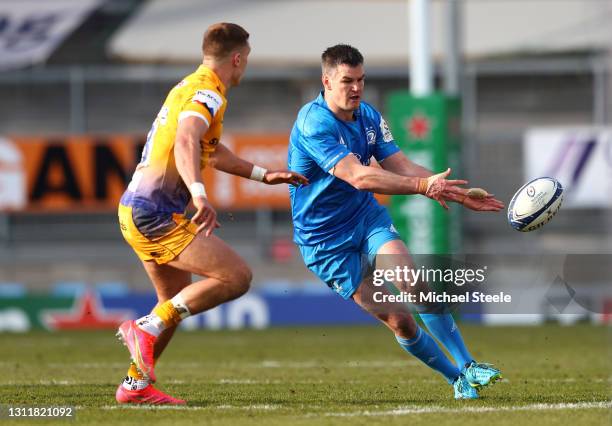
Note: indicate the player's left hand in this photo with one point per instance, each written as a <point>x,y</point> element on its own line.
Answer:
<point>487,204</point>
<point>440,189</point>
<point>476,199</point>
<point>275,177</point>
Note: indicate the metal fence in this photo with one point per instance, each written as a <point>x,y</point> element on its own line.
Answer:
<point>501,99</point>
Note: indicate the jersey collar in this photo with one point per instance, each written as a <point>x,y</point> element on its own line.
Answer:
<point>204,70</point>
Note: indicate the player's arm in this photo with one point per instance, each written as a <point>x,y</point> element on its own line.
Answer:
<point>187,153</point>
<point>225,160</point>
<point>381,181</point>
<point>400,164</point>
<point>478,200</point>
<point>391,158</point>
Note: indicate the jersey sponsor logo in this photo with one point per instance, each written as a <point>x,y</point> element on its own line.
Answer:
<point>341,141</point>
<point>210,99</point>
<point>386,132</point>
<point>371,137</point>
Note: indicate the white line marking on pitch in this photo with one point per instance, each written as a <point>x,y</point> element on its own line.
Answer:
<point>566,380</point>
<point>150,407</point>
<point>402,411</point>
<point>249,407</point>
<point>309,382</point>
<point>346,364</point>
<point>44,383</point>
<point>250,382</point>
<point>88,364</point>
<point>270,363</point>
<point>230,381</point>
<point>265,407</point>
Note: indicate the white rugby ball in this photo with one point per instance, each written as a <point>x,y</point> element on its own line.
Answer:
<point>535,204</point>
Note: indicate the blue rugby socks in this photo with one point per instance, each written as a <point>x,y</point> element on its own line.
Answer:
<point>443,328</point>
<point>427,350</point>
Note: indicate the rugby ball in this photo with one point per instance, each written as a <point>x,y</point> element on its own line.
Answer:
<point>535,204</point>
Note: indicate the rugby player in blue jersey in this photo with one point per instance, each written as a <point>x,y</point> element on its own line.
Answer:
<point>337,221</point>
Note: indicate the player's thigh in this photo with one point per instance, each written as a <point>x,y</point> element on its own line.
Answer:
<point>395,248</point>
<point>167,280</point>
<point>212,257</point>
<point>394,255</point>
<point>391,255</point>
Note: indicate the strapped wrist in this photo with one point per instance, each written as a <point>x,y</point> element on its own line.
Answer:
<point>197,190</point>
<point>258,173</point>
<point>422,185</point>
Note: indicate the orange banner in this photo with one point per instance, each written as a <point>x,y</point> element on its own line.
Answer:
<point>90,172</point>
<point>72,173</point>
<point>231,192</point>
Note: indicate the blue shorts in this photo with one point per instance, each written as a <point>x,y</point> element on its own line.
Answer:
<point>342,261</point>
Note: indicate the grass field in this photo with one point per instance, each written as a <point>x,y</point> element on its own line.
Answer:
<point>554,375</point>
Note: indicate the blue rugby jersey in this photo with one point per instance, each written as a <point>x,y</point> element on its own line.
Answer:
<point>318,141</point>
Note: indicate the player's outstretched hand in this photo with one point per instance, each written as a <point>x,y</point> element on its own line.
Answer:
<point>477,199</point>
<point>440,189</point>
<point>274,177</point>
<point>487,204</point>
<point>205,216</point>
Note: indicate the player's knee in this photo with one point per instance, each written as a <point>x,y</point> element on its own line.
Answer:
<point>242,279</point>
<point>403,325</point>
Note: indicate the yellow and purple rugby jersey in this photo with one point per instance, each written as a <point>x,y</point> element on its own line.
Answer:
<point>157,191</point>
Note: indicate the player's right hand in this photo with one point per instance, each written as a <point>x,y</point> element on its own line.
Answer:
<point>205,216</point>
<point>439,188</point>
<point>274,177</point>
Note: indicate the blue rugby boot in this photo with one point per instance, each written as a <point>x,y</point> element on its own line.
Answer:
<point>463,389</point>
<point>481,374</point>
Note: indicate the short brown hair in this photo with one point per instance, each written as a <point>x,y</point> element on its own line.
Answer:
<point>340,54</point>
<point>222,38</point>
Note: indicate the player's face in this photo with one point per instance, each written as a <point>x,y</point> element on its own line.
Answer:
<point>345,86</point>
<point>240,59</point>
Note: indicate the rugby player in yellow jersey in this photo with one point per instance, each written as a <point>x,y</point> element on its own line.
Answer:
<point>184,138</point>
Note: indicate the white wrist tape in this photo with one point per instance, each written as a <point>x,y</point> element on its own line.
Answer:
<point>258,173</point>
<point>197,190</point>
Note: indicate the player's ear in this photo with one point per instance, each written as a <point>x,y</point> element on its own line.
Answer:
<point>326,81</point>
<point>236,59</point>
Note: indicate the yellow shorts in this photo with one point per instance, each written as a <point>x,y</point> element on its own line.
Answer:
<point>161,249</point>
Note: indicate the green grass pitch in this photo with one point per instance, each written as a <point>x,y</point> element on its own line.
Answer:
<point>333,375</point>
